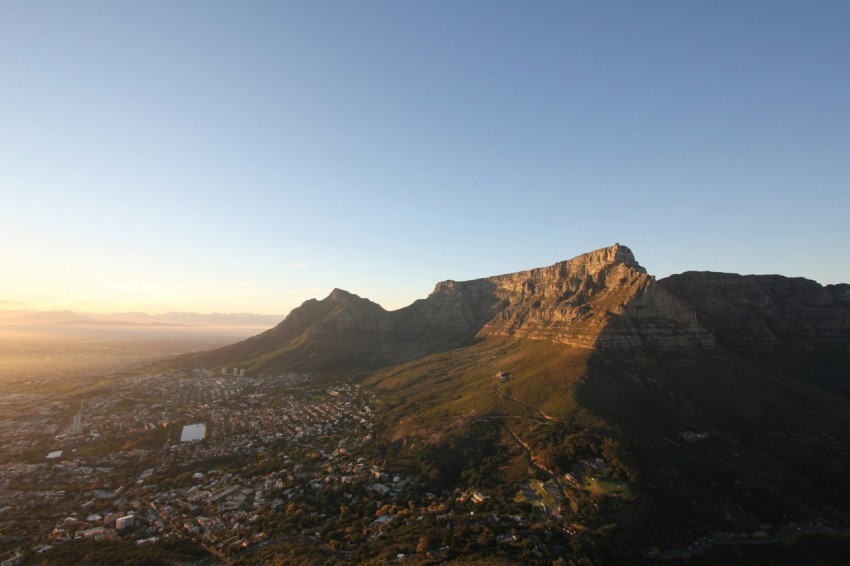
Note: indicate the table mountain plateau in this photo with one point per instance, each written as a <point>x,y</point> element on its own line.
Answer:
<point>603,299</point>
<point>722,400</point>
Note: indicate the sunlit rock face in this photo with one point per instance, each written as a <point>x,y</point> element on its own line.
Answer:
<point>602,299</point>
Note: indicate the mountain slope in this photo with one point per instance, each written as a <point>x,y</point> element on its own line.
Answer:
<point>745,433</point>
<point>344,332</point>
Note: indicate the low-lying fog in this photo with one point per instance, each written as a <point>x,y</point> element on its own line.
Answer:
<point>38,350</point>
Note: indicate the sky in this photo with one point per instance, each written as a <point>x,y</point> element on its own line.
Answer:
<point>219,156</point>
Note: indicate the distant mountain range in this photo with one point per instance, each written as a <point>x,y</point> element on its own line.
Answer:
<point>138,318</point>
<point>730,393</point>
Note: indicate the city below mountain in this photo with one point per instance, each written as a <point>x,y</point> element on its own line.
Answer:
<point>581,413</point>
<point>719,402</point>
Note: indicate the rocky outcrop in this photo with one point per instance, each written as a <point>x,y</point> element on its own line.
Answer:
<point>602,299</point>
<point>840,293</point>
<point>458,308</point>
<point>763,313</point>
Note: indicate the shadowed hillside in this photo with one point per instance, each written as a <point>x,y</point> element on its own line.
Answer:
<point>344,332</point>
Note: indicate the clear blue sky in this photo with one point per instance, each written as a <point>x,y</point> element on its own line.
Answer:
<point>246,156</point>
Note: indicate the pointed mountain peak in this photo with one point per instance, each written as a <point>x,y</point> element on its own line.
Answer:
<point>340,295</point>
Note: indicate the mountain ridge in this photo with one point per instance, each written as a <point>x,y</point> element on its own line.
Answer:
<point>603,298</point>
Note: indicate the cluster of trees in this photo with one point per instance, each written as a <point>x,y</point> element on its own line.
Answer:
<point>470,459</point>
<point>561,447</point>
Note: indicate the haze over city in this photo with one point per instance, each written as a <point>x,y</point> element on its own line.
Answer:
<point>164,156</point>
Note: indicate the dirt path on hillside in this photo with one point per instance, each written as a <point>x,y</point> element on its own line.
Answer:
<point>524,404</point>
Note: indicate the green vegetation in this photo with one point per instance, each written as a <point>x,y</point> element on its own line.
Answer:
<point>604,487</point>
<point>464,382</point>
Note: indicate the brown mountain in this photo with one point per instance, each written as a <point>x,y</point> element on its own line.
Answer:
<point>723,399</point>
<point>602,299</point>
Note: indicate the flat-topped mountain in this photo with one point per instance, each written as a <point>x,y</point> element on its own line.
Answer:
<point>602,299</point>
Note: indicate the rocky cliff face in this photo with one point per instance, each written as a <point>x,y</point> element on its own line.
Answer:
<point>840,293</point>
<point>602,299</point>
<point>767,312</point>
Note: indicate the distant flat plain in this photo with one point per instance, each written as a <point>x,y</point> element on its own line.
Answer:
<point>40,351</point>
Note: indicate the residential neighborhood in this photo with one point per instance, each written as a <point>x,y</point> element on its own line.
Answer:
<point>273,457</point>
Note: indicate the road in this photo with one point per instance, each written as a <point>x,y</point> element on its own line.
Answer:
<point>524,404</point>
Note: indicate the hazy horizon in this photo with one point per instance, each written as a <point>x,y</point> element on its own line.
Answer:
<point>23,308</point>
